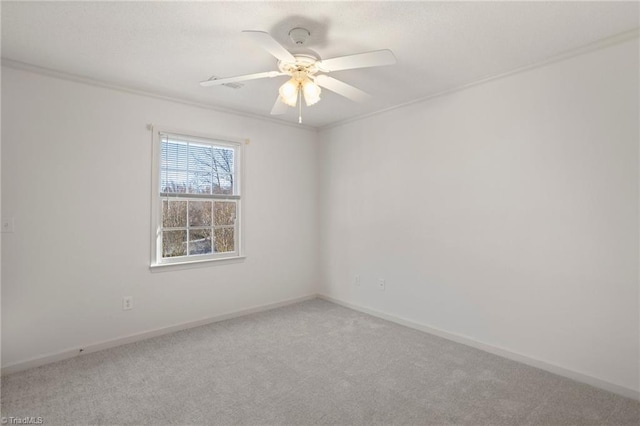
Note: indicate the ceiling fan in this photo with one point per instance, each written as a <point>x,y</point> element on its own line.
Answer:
<point>307,71</point>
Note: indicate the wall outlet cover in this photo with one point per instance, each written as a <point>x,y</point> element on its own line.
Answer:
<point>7,224</point>
<point>127,303</point>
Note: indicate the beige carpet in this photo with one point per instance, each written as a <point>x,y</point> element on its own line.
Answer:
<point>309,363</point>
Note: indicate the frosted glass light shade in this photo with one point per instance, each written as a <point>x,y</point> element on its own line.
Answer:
<point>311,92</point>
<point>289,92</point>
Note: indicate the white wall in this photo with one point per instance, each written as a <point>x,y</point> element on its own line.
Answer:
<point>506,212</point>
<point>76,175</point>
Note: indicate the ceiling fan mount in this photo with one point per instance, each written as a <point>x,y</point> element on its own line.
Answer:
<point>299,35</point>
<point>308,71</point>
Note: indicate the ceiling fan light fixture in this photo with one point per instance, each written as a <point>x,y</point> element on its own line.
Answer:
<point>311,92</point>
<point>289,92</point>
<point>303,67</point>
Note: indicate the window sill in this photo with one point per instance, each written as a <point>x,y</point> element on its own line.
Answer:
<point>164,267</point>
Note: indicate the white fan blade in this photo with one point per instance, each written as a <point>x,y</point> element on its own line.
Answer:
<point>219,81</point>
<point>279,107</point>
<point>360,60</point>
<point>269,44</point>
<point>341,88</point>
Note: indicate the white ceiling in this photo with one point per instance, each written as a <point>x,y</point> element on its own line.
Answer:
<point>167,48</point>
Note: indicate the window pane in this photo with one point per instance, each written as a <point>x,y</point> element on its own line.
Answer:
<point>200,157</point>
<point>223,170</point>
<point>174,243</point>
<point>225,240</point>
<point>199,213</point>
<point>173,181</point>
<point>200,167</point>
<point>200,183</point>
<point>223,160</point>
<point>199,241</point>
<point>222,184</point>
<point>173,154</point>
<point>225,212</point>
<point>174,214</point>
<point>173,166</point>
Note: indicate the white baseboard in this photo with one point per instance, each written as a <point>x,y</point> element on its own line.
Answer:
<point>94,347</point>
<point>505,353</point>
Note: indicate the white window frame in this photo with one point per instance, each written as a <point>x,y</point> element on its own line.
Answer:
<point>157,198</point>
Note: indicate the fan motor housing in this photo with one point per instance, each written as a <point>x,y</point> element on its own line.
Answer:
<point>303,62</point>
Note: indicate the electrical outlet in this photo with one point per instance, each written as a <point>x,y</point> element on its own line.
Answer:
<point>7,225</point>
<point>381,284</point>
<point>127,303</point>
<point>356,280</point>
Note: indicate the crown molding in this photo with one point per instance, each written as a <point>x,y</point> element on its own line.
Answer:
<point>591,47</point>
<point>597,45</point>
<point>10,63</point>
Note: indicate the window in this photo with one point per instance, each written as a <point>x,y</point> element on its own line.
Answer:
<point>197,201</point>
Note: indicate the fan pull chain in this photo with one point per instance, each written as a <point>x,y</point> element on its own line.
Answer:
<point>300,106</point>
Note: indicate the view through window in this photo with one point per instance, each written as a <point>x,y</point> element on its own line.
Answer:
<point>199,199</point>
